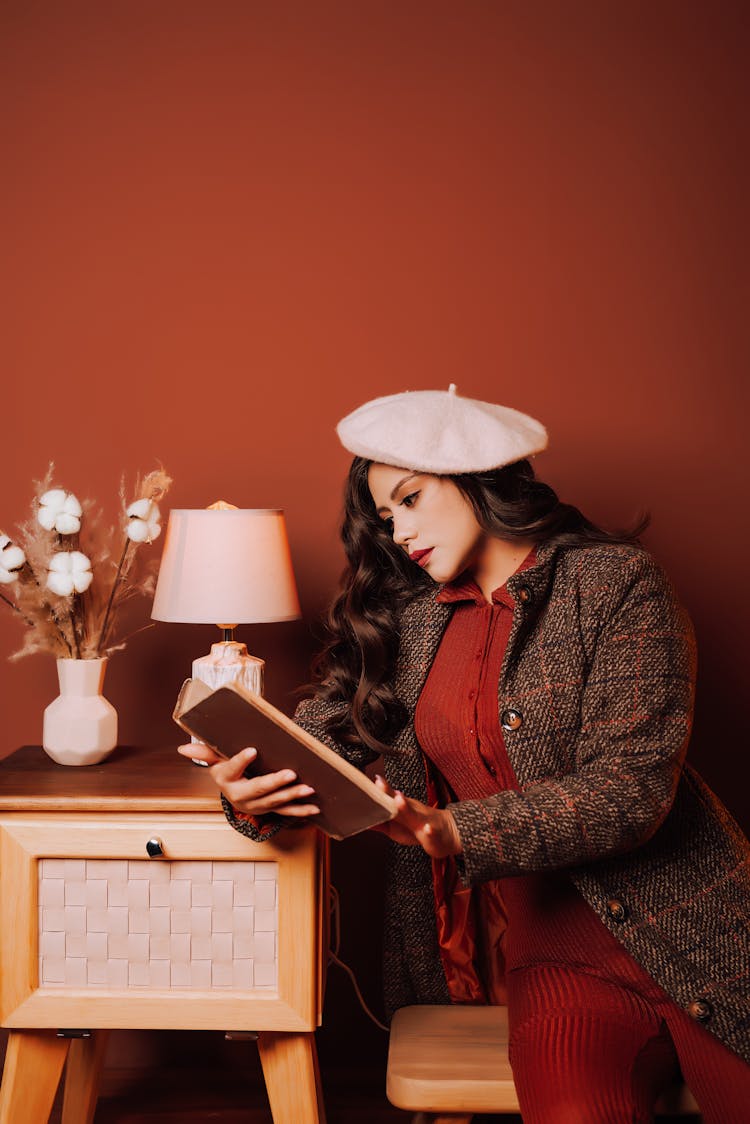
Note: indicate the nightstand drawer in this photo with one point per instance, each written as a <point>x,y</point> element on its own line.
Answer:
<point>214,931</point>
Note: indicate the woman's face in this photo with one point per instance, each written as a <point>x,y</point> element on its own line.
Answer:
<point>427,513</point>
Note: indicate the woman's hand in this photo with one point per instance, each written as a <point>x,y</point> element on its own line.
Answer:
<point>270,792</point>
<point>434,829</point>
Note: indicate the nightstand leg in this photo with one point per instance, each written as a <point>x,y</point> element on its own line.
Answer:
<point>290,1068</point>
<point>85,1061</point>
<point>33,1064</point>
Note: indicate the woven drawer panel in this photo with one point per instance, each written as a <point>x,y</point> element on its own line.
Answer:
<point>155,924</point>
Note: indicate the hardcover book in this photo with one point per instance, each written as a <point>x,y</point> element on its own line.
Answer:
<point>231,717</point>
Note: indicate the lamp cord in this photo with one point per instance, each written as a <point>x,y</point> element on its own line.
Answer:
<point>333,957</point>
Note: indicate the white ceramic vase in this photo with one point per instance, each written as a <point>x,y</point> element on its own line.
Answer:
<point>80,726</point>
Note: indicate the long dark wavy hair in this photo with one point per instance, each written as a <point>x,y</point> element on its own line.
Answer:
<point>361,627</point>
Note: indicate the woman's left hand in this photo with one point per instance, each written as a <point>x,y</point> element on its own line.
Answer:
<point>434,829</point>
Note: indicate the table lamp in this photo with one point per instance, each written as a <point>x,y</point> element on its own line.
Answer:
<point>226,566</point>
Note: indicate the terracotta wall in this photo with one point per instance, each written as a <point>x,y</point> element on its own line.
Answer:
<point>225,225</point>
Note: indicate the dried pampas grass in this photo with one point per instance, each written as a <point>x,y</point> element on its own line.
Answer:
<point>82,625</point>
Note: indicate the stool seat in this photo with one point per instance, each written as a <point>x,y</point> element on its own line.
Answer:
<point>455,1059</point>
<point>450,1058</point>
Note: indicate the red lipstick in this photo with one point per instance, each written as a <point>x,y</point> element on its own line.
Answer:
<point>421,556</point>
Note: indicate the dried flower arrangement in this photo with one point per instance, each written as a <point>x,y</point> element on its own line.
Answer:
<point>68,598</point>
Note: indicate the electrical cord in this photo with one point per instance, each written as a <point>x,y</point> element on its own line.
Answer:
<point>333,957</point>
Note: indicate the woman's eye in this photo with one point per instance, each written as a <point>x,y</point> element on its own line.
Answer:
<point>407,501</point>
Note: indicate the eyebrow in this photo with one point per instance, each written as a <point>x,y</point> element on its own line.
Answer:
<point>403,480</point>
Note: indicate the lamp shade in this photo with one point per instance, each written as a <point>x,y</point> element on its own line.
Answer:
<point>226,567</point>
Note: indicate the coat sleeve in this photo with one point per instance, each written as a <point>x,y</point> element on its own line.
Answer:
<point>311,715</point>
<point>636,717</point>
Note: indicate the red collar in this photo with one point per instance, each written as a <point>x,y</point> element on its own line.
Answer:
<point>464,588</point>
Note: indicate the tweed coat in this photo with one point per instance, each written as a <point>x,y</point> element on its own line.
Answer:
<point>595,698</point>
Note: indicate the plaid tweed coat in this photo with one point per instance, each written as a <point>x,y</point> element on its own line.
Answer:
<point>595,697</point>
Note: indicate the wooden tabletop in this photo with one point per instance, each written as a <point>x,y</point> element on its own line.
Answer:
<point>136,779</point>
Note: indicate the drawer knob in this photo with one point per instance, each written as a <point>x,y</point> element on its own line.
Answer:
<point>155,848</point>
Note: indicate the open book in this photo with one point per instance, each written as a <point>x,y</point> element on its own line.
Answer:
<point>231,717</point>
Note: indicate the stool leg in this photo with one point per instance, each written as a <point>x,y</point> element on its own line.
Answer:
<point>85,1060</point>
<point>290,1069</point>
<point>33,1064</point>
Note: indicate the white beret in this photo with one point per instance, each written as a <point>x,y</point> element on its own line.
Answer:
<point>440,432</point>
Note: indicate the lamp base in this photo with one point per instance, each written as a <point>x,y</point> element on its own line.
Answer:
<point>227,661</point>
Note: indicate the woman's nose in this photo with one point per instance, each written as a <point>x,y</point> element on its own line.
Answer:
<point>403,533</point>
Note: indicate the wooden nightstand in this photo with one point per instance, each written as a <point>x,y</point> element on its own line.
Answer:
<point>127,900</point>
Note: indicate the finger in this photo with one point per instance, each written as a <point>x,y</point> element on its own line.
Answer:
<point>298,810</point>
<point>409,812</point>
<point>296,792</point>
<point>234,768</point>
<point>408,819</point>
<point>439,837</point>
<point>197,751</point>
<point>383,785</point>
<point>264,794</point>
<point>268,784</point>
<point>417,819</point>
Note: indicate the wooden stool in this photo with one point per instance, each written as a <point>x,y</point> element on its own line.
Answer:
<point>446,1063</point>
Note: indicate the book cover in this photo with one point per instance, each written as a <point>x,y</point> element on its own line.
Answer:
<point>231,717</point>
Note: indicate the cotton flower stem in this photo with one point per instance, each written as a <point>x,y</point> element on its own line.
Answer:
<point>60,629</point>
<point>74,607</point>
<point>27,566</point>
<point>79,602</point>
<point>115,585</point>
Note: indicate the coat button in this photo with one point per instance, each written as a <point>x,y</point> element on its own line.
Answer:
<point>617,910</point>
<point>700,1010</point>
<point>511,719</point>
<point>524,593</point>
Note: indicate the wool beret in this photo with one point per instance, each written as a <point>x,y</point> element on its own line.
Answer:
<point>440,432</point>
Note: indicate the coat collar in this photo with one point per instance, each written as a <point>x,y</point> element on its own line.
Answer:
<point>539,576</point>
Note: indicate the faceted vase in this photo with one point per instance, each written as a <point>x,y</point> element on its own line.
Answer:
<point>80,726</point>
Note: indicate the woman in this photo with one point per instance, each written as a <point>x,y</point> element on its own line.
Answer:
<point>529,680</point>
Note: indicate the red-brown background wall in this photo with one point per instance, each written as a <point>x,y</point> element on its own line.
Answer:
<point>225,225</point>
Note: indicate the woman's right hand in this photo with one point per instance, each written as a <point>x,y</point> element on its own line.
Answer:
<point>269,792</point>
